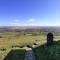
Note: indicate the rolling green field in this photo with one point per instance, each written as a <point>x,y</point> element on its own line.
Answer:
<point>12,40</point>
<point>48,52</point>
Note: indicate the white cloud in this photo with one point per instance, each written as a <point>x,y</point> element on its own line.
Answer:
<point>31,20</point>
<point>15,23</point>
<point>16,20</point>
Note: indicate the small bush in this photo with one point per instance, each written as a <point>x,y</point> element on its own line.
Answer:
<point>3,49</point>
<point>21,46</point>
<point>0,36</point>
<point>14,46</point>
<point>29,46</point>
<point>34,43</point>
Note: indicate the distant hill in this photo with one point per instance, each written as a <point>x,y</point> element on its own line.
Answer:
<point>41,28</point>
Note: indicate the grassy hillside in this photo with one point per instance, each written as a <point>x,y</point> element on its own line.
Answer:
<point>13,40</point>
<point>48,52</point>
<point>17,40</point>
<point>17,54</point>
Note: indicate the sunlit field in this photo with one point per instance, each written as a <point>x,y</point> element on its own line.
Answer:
<point>14,40</point>
<point>9,41</point>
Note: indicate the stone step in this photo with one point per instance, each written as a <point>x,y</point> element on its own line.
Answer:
<point>29,54</point>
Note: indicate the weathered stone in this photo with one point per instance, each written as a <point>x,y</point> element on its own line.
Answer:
<point>49,38</point>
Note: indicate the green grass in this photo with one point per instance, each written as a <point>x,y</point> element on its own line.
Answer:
<point>16,54</point>
<point>48,52</point>
<point>10,39</point>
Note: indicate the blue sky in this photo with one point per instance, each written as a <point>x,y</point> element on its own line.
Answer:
<point>30,12</point>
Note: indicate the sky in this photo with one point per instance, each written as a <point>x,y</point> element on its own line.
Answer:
<point>29,12</point>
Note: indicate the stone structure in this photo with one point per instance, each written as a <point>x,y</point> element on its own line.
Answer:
<point>49,38</point>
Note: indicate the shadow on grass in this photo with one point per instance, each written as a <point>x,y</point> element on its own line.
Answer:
<point>48,52</point>
<point>15,55</point>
